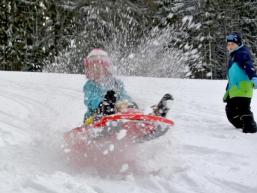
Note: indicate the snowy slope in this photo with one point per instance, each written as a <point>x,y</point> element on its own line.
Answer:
<point>202,153</point>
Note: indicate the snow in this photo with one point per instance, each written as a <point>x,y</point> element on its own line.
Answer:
<point>121,134</point>
<point>201,153</point>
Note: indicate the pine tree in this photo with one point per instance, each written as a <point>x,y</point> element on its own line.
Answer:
<point>115,26</point>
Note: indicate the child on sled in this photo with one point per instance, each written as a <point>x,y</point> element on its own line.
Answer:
<point>104,94</point>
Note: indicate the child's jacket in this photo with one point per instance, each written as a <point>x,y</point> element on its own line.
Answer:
<point>240,73</point>
<point>94,93</point>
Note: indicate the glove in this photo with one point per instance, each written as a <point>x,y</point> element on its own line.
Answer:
<point>254,79</point>
<point>122,106</point>
<point>89,120</point>
<point>110,97</point>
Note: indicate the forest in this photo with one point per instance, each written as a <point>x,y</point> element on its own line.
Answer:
<point>156,38</point>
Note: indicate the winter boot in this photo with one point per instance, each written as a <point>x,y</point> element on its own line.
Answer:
<point>161,109</point>
<point>249,125</point>
<point>107,106</point>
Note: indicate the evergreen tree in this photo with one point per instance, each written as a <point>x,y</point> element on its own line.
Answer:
<point>115,26</point>
<point>33,32</point>
<point>144,37</point>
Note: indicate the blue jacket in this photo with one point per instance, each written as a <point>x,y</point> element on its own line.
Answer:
<point>94,93</point>
<point>240,73</point>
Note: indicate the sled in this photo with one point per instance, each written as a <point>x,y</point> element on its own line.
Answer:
<point>138,127</point>
<point>112,135</point>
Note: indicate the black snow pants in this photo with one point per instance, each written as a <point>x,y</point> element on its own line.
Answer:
<point>239,113</point>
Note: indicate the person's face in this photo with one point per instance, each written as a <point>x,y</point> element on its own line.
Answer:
<point>96,72</point>
<point>231,46</point>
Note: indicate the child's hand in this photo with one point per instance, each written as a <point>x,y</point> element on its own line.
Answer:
<point>122,106</point>
<point>225,97</point>
<point>254,79</point>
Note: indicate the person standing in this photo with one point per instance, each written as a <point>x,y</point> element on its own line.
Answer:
<point>242,79</point>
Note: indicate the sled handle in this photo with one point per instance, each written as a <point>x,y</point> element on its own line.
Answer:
<point>142,117</point>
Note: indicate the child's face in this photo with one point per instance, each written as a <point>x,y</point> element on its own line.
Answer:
<point>96,72</point>
<point>231,46</point>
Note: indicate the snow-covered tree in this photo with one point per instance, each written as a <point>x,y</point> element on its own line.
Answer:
<point>116,26</point>
<point>55,35</point>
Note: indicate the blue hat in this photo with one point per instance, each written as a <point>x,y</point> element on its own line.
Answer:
<point>234,37</point>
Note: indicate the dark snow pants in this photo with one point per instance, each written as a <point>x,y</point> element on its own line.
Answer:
<point>239,113</point>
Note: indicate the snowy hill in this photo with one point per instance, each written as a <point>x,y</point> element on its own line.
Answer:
<point>201,153</point>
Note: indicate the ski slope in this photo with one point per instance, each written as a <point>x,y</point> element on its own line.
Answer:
<point>201,153</point>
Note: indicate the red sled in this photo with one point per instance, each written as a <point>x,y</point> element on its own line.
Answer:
<point>119,130</point>
<point>138,126</point>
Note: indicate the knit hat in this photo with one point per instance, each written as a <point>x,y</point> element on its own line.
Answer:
<point>97,65</point>
<point>98,57</point>
<point>234,37</point>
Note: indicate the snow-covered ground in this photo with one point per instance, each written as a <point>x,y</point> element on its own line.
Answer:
<point>202,153</point>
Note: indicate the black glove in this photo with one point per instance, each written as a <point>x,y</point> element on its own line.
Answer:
<point>110,97</point>
<point>107,106</point>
